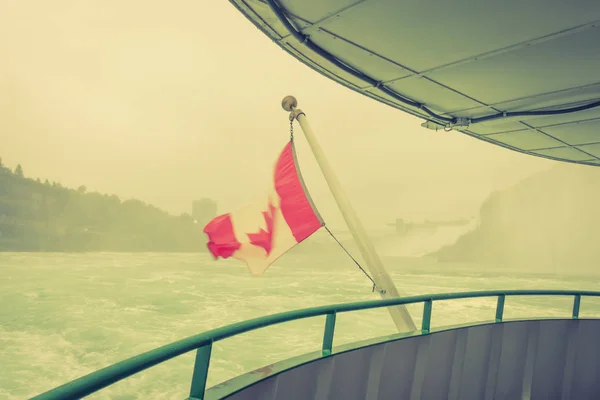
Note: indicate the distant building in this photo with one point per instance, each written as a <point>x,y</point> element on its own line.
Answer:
<point>204,210</point>
<point>401,226</point>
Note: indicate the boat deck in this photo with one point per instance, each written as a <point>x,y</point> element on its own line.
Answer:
<point>531,359</point>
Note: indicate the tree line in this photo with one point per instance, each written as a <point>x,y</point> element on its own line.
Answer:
<point>44,216</point>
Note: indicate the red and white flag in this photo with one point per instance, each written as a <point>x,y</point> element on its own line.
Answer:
<point>261,232</point>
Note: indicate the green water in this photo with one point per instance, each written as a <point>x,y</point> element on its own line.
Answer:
<point>65,315</point>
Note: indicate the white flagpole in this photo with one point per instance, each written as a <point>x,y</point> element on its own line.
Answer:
<point>382,280</point>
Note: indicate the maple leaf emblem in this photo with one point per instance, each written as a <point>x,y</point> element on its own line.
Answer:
<point>264,238</point>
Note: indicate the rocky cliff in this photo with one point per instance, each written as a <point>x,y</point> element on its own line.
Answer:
<point>551,219</point>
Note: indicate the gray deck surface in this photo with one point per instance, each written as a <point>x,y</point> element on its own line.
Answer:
<point>547,359</point>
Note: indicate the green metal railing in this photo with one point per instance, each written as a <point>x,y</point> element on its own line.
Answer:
<point>202,343</point>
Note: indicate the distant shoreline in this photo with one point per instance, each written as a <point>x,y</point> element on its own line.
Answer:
<point>47,217</point>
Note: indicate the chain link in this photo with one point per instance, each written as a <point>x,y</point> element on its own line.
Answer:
<point>291,129</point>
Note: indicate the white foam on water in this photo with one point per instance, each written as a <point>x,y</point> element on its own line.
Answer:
<point>72,314</point>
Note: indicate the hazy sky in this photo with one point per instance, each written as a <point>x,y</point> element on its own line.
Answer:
<point>172,101</point>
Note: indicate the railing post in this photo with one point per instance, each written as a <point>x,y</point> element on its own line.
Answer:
<point>200,372</point>
<point>426,323</point>
<point>500,308</point>
<point>328,334</point>
<point>576,304</point>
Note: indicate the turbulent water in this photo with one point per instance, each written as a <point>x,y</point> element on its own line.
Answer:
<point>65,315</point>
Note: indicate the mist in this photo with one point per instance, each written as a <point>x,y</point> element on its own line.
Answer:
<point>168,103</point>
<point>125,124</point>
<point>547,222</point>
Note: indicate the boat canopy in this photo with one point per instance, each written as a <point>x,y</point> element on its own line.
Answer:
<point>524,75</point>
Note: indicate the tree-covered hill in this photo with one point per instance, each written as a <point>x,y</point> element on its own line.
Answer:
<point>44,216</point>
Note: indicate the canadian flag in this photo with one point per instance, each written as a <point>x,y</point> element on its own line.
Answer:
<point>264,230</point>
